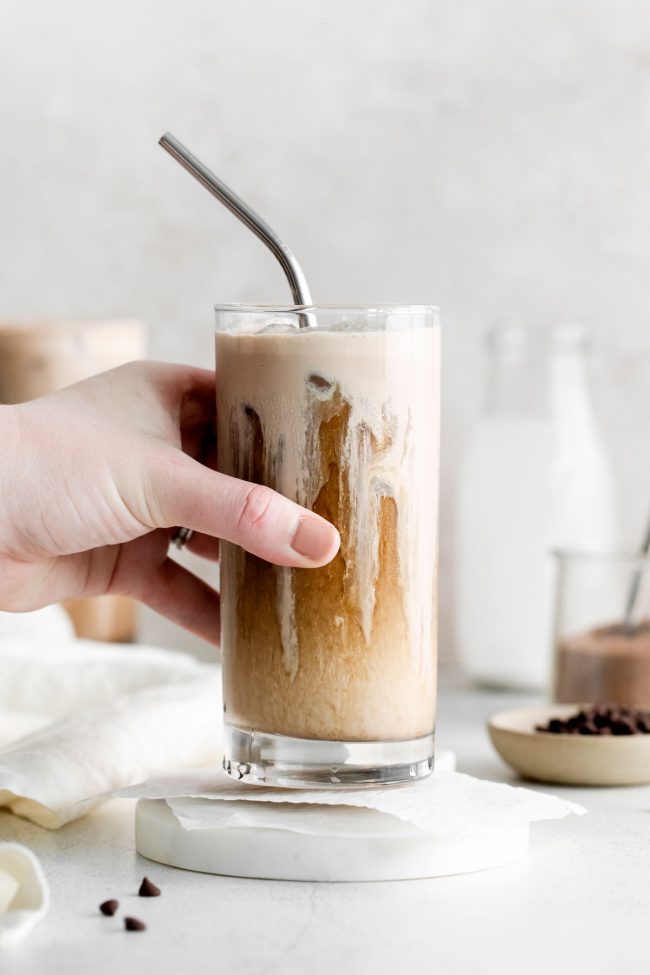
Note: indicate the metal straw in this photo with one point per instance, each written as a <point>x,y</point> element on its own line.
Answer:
<point>212,183</point>
<point>633,595</point>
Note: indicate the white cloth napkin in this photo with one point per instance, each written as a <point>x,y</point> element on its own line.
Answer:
<point>100,716</point>
<point>24,892</point>
<point>448,805</point>
<point>49,623</point>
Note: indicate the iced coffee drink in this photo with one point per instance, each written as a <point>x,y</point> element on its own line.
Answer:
<point>330,673</point>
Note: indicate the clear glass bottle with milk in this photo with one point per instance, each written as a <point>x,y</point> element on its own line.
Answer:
<point>536,477</point>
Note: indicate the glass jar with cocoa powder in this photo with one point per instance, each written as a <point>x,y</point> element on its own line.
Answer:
<point>602,653</point>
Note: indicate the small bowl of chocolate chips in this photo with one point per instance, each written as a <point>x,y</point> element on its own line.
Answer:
<point>575,744</point>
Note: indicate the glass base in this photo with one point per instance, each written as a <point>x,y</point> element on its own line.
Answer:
<point>297,763</point>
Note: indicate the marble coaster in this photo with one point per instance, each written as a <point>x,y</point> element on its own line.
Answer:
<point>334,844</point>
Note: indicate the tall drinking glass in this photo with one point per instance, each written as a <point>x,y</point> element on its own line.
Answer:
<point>330,674</point>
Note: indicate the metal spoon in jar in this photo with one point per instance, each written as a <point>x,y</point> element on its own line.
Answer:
<point>630,610</point>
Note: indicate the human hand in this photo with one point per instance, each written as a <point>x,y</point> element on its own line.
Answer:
<point>95,478</point>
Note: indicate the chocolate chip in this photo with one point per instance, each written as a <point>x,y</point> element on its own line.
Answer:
<point>134,924</point>
<point>600,719</point>
<point>109,907</point>
<point>147,889</point>
<point>622,727</point>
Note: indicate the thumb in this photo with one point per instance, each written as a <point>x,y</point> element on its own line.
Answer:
<point>259,519</point>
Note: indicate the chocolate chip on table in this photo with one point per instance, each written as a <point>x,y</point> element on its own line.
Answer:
<point>623,727</point>
<point>109,907</point>
<point>587,729</point>
<point>147,889</point>
<point>134,924</point>
<point>600,719</point>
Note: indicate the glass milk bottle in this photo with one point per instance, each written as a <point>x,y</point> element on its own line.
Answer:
<point>536,478</point>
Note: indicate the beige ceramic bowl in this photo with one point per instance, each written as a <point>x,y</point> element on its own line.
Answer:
<point>568,759</point>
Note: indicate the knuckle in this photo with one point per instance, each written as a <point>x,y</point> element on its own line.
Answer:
<point>256,508</point>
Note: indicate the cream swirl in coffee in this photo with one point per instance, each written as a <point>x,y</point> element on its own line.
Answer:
<point>345,422</point>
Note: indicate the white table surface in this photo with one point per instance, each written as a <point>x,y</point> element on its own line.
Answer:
<point>579,901</point>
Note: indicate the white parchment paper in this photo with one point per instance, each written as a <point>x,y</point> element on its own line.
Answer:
<point>449,805</point>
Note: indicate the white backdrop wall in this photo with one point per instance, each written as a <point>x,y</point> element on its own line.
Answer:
<point>487,155</point>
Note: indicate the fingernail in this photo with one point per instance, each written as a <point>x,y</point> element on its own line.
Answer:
<point>313,539</point>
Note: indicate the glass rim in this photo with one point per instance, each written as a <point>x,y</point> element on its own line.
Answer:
<point>371,309</point>
<point>602,553</point>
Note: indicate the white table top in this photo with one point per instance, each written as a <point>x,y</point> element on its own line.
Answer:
<point>579,901</point>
